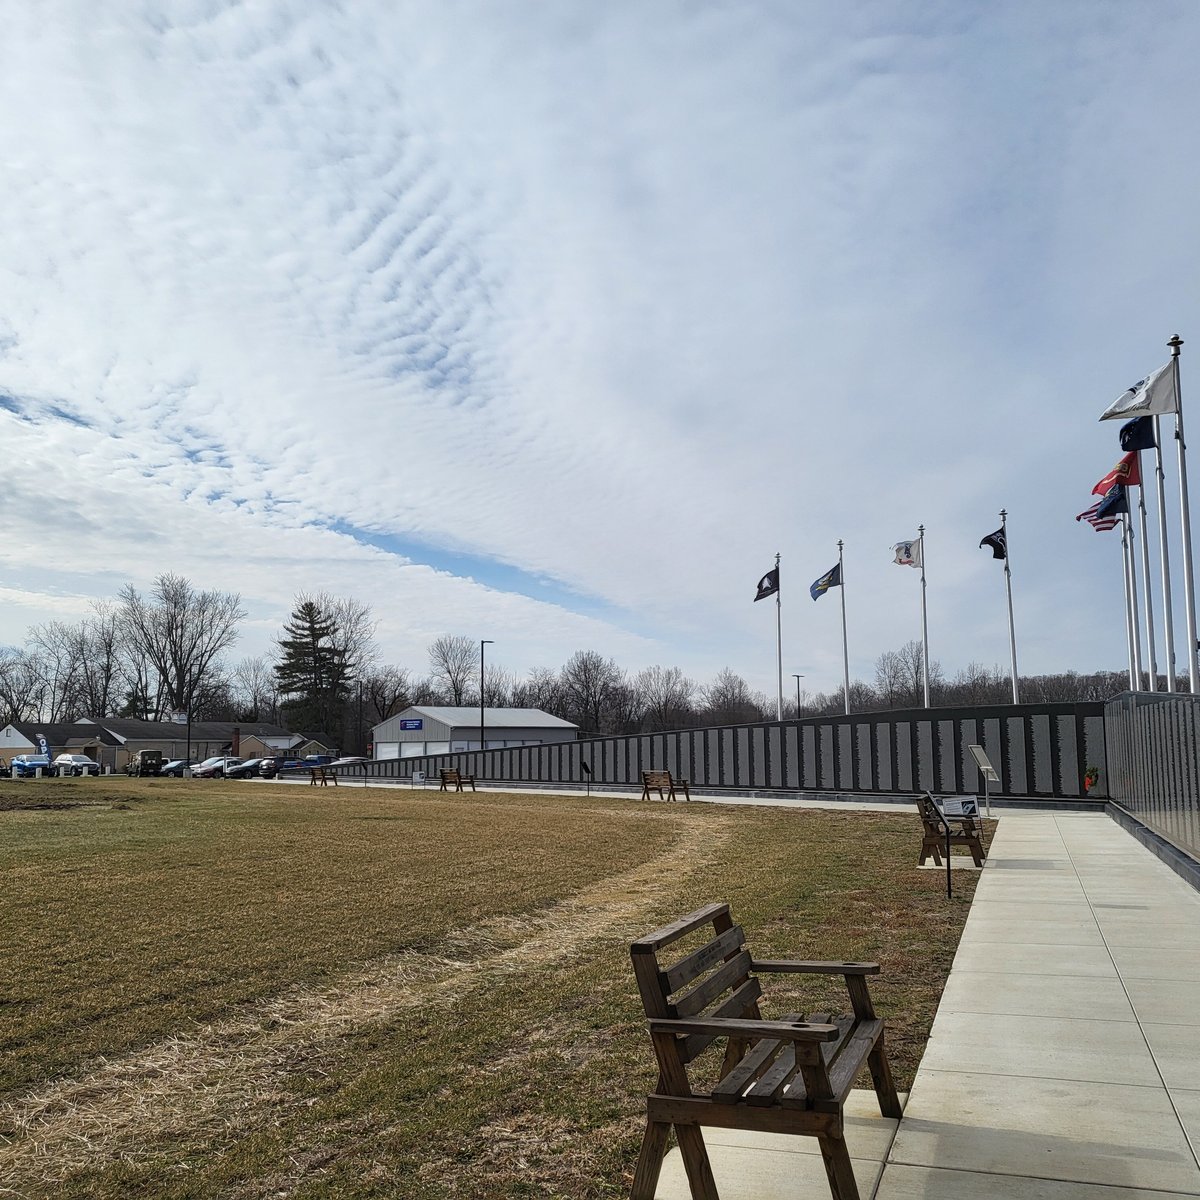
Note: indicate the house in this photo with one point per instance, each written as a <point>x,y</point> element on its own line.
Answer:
<point>206,738</point>
<point>112,741</point>
<point>438,729</point>
<point>22,737</point>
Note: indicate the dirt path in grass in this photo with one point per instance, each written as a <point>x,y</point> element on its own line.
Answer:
<point>229,1074</point>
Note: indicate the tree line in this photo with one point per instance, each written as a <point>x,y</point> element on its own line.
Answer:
<point>168,651</point>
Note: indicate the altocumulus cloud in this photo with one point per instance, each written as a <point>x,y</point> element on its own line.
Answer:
<point>553,324</point>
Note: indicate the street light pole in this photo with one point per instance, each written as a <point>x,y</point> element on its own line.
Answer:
<point>484,642</point>
<point>797,678</point>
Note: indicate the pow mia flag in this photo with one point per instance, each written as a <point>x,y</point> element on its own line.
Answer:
<point>997,542</point>
<point>768,585</point>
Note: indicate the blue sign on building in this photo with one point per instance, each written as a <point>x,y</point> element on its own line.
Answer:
<point>413,724</point>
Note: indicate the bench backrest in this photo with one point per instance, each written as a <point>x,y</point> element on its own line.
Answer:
<point>710,977</point>
<point>656,778</point>
<point>450,773</point>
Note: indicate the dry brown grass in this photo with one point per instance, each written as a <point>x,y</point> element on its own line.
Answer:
<point>440,1006</point>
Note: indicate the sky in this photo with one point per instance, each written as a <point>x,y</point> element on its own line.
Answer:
<point>553,323</point>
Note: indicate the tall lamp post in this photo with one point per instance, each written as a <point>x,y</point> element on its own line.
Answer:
<point>484,642</point>
<point>797,678</point>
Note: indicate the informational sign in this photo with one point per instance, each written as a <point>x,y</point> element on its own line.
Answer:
<point>959,806</point>
<point>984,764</point>
<point>418,778</point>
<point>413,723</point>
<point>988,772</point>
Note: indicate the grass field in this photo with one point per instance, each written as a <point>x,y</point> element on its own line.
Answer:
<point>215,989</point>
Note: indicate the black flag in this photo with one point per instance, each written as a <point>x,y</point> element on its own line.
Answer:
<point>1138,434</point>
<point>768,585</point>
<point>997,542</point>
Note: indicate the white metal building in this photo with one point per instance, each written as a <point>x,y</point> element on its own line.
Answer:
<point>434,729</point>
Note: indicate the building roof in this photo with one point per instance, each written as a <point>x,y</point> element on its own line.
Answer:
<point>125,728</point>
<point>509,718</point>
<point>60,733</point>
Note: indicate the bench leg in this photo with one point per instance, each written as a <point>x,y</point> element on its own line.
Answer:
<point>842,1185</point>
<point>976,849</point>
<point>926,851</point>
<point>650,1160</point>
<point>885,1085</point>
<point>695,1161</point>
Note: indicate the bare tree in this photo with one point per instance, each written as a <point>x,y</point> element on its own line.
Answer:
<point>665,696</point>
<point>499,688</point>
<point>900,674</point>
<point>21,686</point>
<point>453,663</point>
<point>55,652</point>
<point>97,642</point>
<point>181,633</point>
<point>728,700</point>
<point>354,637</point>
<point>253,690</point>
<point>541,688</point>
<point>589,682</point>
<point>388,690</point>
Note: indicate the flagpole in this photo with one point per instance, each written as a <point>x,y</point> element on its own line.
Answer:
<point>1152,663</point>
<point>845,644</point>
<point>1012,630</point>
<point>924,617</point>
<point>1130,639</point>
<point>1165,557</point>
<point>779,636</point>
<point>1137,616</point>
<point>1189,587</point>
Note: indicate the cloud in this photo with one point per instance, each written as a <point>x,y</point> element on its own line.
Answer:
<point>619,301</point>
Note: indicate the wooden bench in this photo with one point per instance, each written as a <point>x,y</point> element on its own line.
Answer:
<point>453,780</point>
<point>660,782</point>
<point>321,775</point>
<point>964,831</point>
<point>790,1075</point>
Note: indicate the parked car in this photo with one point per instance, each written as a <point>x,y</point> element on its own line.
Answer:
<point>317,760</point>
<point>244,769</point>
<point>176,767</point>
<point>24,766</point>
<point>145,762</point>
<point>214,768</point>
<point>268,768</point>
<point>75,764</point>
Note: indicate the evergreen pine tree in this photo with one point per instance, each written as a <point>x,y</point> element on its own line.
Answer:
<point>312,673</point>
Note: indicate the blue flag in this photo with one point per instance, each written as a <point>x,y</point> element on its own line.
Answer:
<point>1138,434</point>
<point>832,578</point>
<point>1114,502</point>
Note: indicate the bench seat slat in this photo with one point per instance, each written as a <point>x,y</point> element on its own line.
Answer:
<point>756,1060</point>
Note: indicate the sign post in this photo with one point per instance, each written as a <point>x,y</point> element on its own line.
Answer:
<point>953,806</point>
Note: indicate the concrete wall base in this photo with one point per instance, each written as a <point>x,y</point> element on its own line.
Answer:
<point>1180,861</point>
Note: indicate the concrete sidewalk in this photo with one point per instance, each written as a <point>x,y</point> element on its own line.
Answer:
<point>1063,1060</point>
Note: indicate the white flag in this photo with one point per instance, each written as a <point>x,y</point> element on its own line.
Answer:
<point>1153,396</point>
<point>908,554</point>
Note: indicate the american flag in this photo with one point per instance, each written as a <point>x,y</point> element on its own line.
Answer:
<point>1098,523</point>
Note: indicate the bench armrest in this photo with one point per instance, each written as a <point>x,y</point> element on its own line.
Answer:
<point>787,966</point>
<point>798,1031</point>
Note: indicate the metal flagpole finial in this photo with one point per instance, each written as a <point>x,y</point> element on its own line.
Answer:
<point>1175,343</point>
